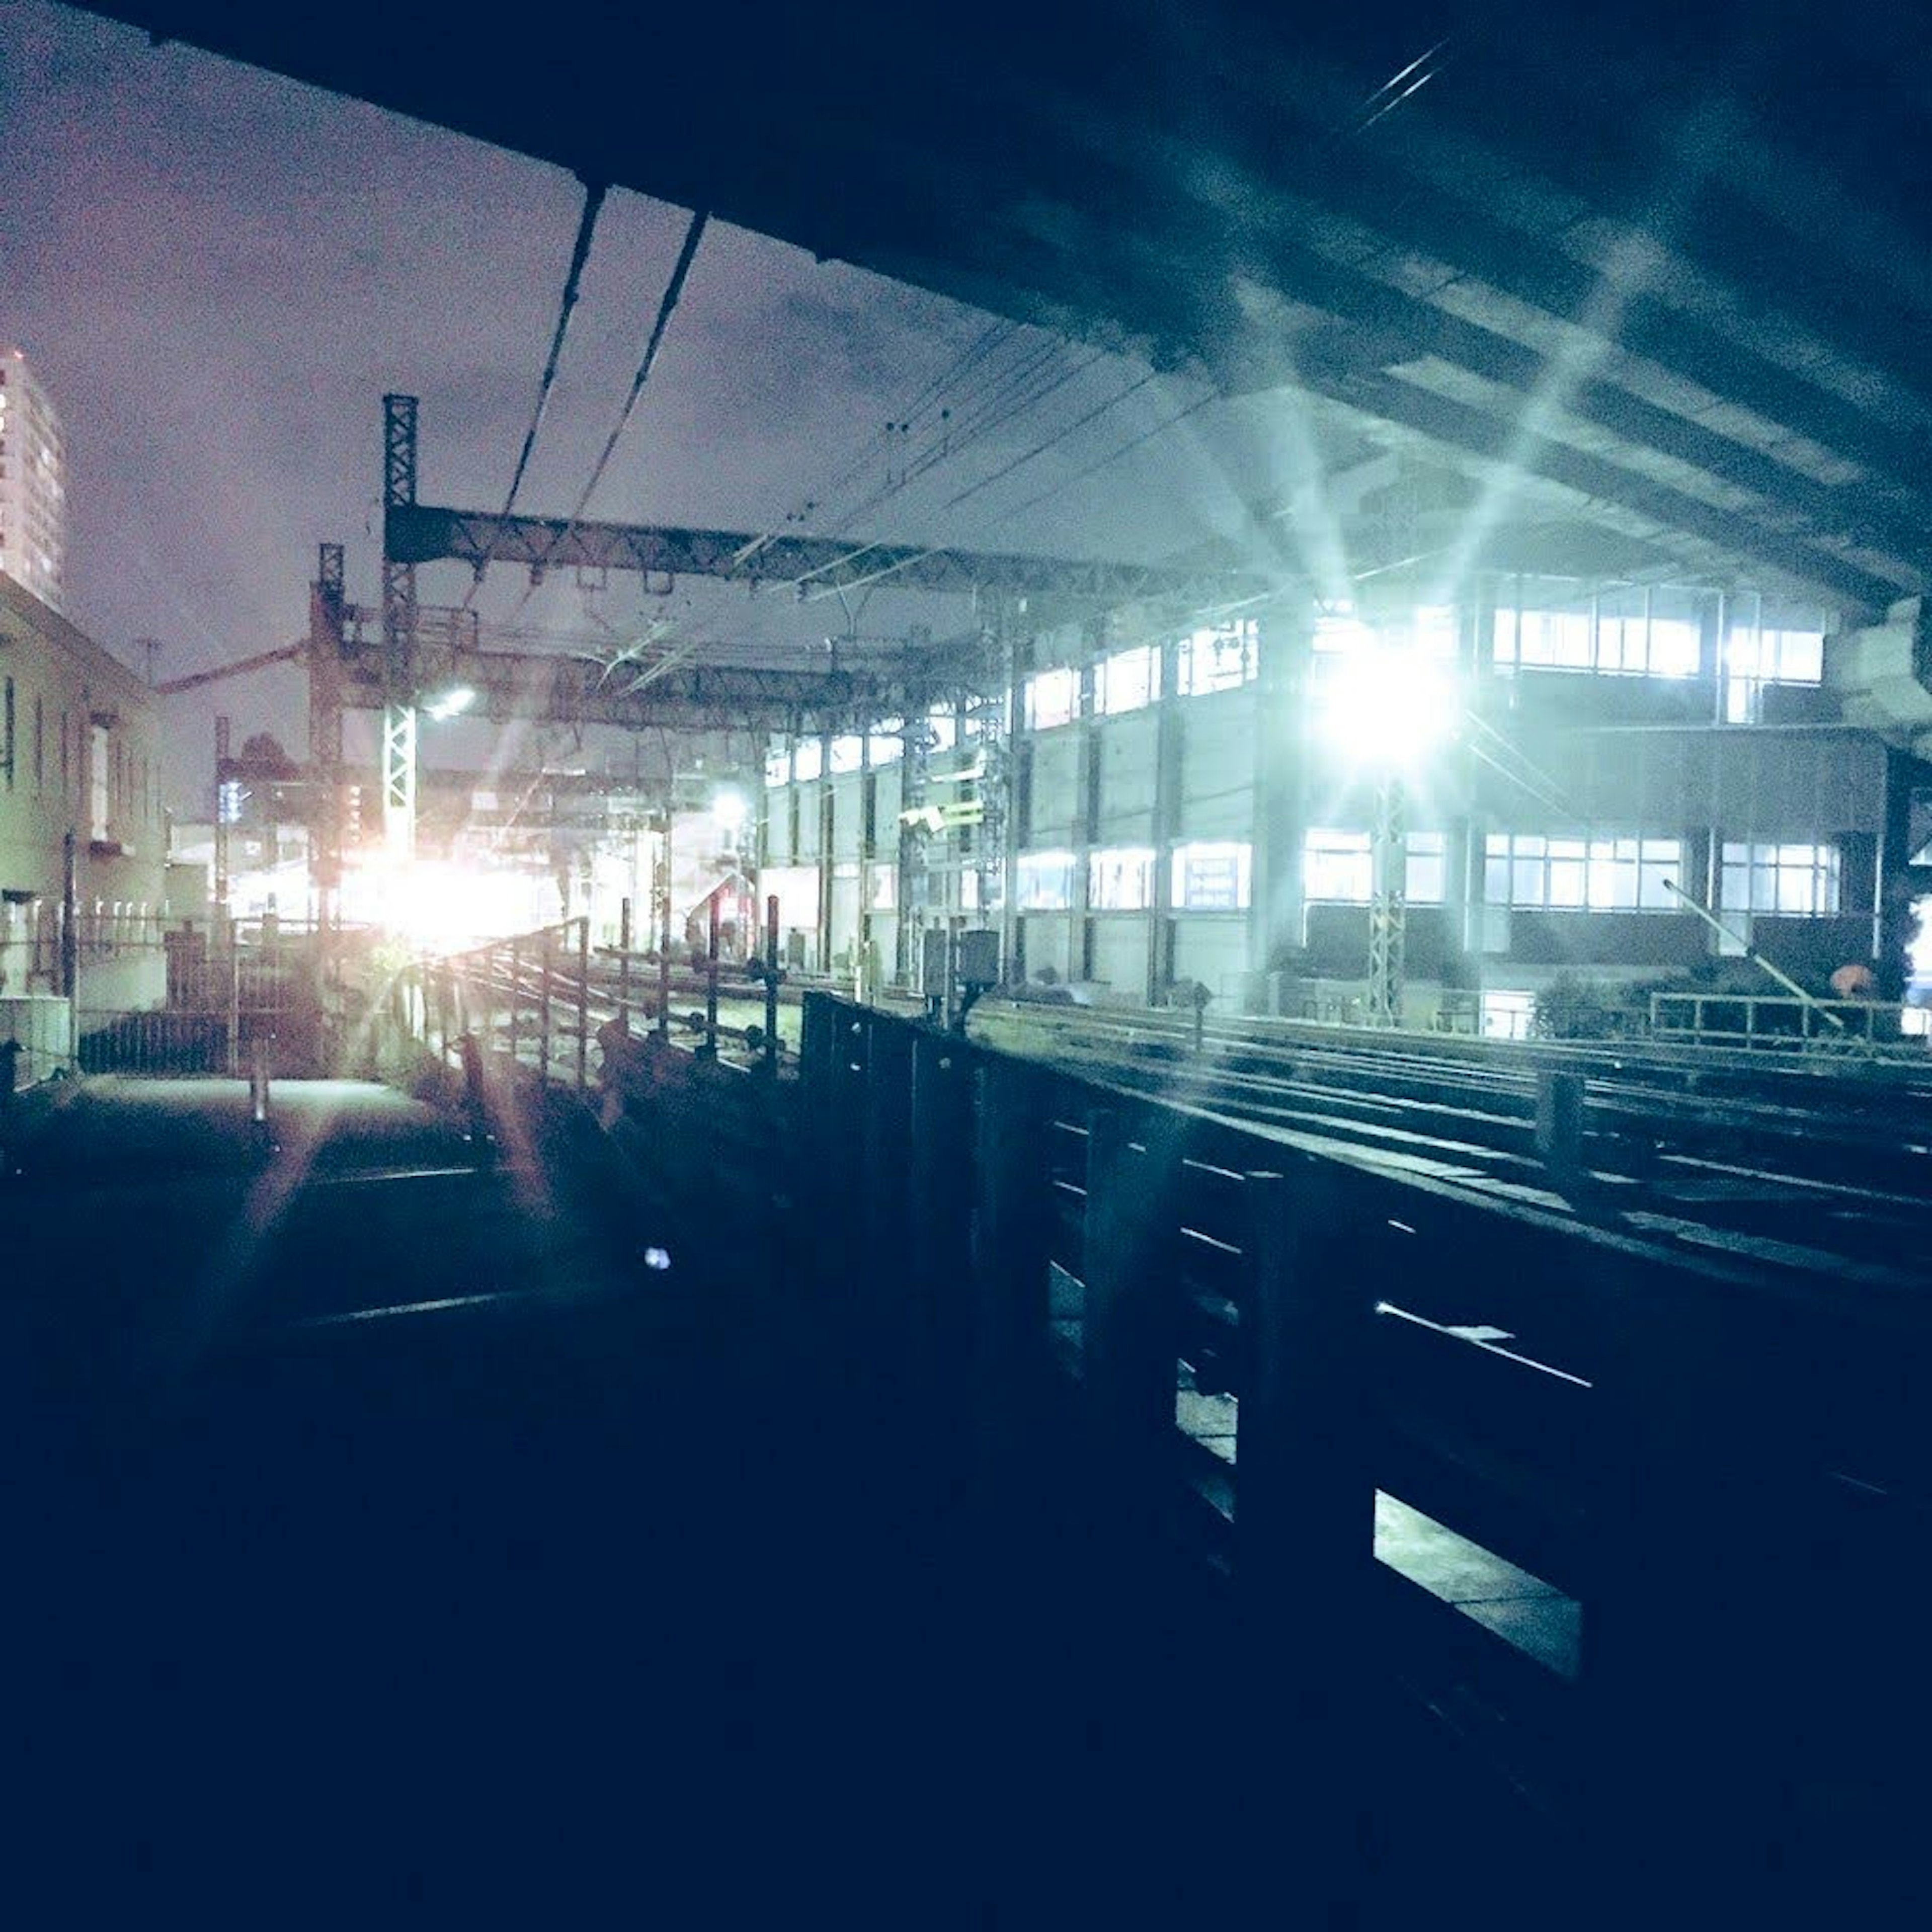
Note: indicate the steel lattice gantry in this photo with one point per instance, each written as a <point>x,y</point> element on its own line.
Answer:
<point>698,696</point>
<point>418,533</point>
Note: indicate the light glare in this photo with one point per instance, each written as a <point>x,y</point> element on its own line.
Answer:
<point>1388,708</point>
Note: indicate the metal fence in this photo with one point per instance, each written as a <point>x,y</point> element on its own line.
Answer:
<point>528,997</point>
<point>173,996</point>
<point>1630,1554</point>
<point>1777,1021</point>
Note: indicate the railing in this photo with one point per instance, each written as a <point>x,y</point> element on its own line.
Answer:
<point>160,995</point>
<point>1774,1021</point>
<point>528,998</point>
<point>1625,1524</point>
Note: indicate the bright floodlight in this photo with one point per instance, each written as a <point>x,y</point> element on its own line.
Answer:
<point>728,809</point>
<point>451,703</point>
<point>1388,708</point>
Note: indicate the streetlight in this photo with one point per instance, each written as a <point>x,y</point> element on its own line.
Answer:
<point>1385,710</point>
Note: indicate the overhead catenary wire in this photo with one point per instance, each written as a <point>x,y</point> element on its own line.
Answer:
<point>1048,442</point>
<point>587,227</point>
<point>667,308</point>
<point>1031,397</point>
<point>936,387</point>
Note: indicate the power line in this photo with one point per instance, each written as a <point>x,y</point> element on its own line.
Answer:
<point>1040,449</point>
<point>586,225</point>
<point>936,386</point>
<point>666,306</point>
<point>1113,456</point>
<point>1032,392</point>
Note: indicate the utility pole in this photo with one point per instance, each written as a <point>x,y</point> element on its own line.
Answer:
<point>1388,906</point>
<point>399,634</point>
<point>327,615</point>
<point>221,813</point>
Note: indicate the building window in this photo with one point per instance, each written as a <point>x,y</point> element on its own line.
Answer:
<point>1754,657</point>
<point>1338,867</point>
<point>1127,681</point>
<point>1121,879</point>
<point>1626,643</point>
<point>1430,630</point>
<point>1052,698</point>
<point>887,744</point>
<point>1799,880</point>
<point>99,776</point>
<point>1217,659</point>
<point>882,882</point>
<point>778,767</point>
<point>807,760</point>
<point>845,754</point>
<point>942,731</point>
<point>1046,881</point>
<point>1426,871</point>
<point>1538,873</point>
<point>1212,877</point>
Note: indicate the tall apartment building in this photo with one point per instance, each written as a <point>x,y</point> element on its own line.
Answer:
<point>33,483</point>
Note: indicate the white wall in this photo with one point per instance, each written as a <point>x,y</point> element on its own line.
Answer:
<point>1217,767</point>
<point>1213,948</point>
<point>1127,776</point>
<point>1056,789</point>
<point>1121,952</point>
<point>1049,940</point>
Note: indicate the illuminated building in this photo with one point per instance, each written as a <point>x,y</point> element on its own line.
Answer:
<point>33,483</point>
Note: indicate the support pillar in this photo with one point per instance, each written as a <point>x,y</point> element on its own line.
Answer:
<point>1275,924</point>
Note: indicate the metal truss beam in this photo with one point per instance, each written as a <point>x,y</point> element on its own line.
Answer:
<point>544,688</point>
<point>399,780</point>
<point>418,533</point>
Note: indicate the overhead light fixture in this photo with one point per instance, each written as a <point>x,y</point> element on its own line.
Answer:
<point>450,703</point>
<point>729,810</point>
<point>1387,710</point>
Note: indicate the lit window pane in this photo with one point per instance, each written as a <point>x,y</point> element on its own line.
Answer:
<point>1127,681</point>
<point>1211,876</point>
<point>1052,698</point>
<point>1121,880</point>
<point>1673,648</point>
<point>1426,875</point>
<point>1218,659</point>
<point>1045,881</point>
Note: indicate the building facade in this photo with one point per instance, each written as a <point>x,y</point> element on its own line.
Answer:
<point>33,485</point>
<point>82,832</point>
<point>1598,764</point>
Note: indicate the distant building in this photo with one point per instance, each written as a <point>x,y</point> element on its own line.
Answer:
<point>33,485</point>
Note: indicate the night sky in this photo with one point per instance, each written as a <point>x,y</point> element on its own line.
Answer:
<point>218,273</point>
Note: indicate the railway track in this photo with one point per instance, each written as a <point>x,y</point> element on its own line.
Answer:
<point>1800,1173</point>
